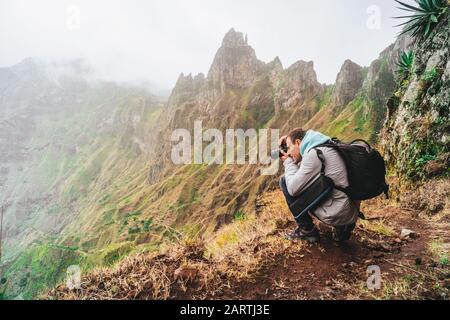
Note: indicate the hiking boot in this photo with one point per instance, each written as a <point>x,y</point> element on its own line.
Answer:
<point>311,236</point>
<point>344,233</point>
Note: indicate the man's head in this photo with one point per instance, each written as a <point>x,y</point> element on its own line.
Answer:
<point>294,140</point>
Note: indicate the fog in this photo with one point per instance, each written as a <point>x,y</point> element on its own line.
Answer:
<point>157,40</point>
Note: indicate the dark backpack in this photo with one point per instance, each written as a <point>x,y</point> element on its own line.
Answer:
<point>365,169</point>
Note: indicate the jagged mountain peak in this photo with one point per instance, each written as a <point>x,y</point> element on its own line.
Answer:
<point>235,63</point>
<point>234,39</point>
<point>183,84</point>
<point>199,76</point>
<point>302,65</point>
<point>277,61</point>
<point>303,72</point>
<point>189,78</point>
<point>349,62</point>
<point>275,65</point>
<point>348,67</point>
<point>295,85</point>
<point>348,82</point>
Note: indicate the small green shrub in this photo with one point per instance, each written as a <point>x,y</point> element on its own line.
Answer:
<point>405,63</point>
<point>133,230</point>
<point>430,75</point>
<point>424,160</point>
<point>239,216</point>
<point>116,252</point>
<point>146,224</point>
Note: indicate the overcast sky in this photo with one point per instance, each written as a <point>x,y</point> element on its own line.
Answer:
<point>156,40</point>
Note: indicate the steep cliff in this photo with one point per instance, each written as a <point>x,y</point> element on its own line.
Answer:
<point>416,135</point>
<point>235,64</point>
<point>64,139</point>
<point>355,106</point>
<point>348,83</point>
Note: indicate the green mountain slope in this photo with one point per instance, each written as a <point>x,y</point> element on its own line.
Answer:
<point>90,180</point>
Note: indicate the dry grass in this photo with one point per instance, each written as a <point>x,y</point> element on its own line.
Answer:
<point>402,288</point>
<point>146,276</point>
<point>250,229</point>
<point>193,268</point>
<point>379,227</point>
<point>431,198</point>
<point>242,247</point>
<point>440,251</point>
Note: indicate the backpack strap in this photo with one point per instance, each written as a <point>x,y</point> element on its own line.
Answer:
<point>331,144</point>
<point>335,140</point>
<point>344,190</point>
<point>363,141</point>
<point>322,160</point>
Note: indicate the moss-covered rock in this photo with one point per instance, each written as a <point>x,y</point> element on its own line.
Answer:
<point>416,133</point>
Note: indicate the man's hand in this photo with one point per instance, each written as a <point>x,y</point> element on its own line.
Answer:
<point>285,156</point>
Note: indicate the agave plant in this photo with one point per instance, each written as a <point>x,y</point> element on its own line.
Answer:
<point>405,62</point>
<point>424,17</point>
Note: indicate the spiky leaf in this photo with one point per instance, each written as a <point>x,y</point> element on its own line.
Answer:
<point>405,63</point>
<point>424,18</point>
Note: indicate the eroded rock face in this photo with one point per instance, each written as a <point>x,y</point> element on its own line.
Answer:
<point>187,87</point>
<point>49,112</point>
<point>295,85</point>
<point>189,84</point>
<point>275,66</point>
<point>235,64</point>
<point>348,83</point>
<point>376,84</point>
<point>416,134</point>
<point>236,67</point>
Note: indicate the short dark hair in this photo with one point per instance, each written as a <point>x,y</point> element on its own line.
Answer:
<point>296,134</point>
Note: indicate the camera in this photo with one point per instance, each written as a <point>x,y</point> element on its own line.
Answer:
<point>276,154</point>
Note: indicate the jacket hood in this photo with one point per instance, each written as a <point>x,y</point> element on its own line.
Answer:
<point>312,139</point>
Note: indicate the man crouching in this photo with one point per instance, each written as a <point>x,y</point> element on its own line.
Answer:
<point>302,166</point>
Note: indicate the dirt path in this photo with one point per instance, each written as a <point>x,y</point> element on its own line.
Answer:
<point>339,271</point>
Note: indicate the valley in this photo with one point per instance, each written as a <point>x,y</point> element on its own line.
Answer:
<point>87,179</point>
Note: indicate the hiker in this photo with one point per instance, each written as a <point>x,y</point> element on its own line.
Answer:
<point>302,166</point>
